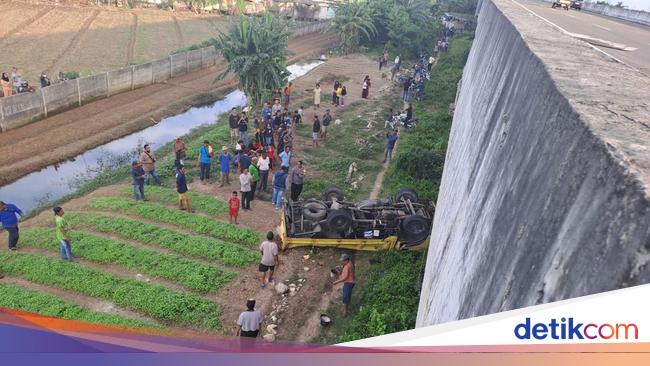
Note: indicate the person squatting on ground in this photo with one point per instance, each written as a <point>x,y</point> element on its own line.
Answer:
<point>138,174</point>
<point>204,161</point>
<point>347,278</point>
<point>148,161</point>
<point>233,207</point>
<point>270,261</point>
<point>9,220</point>
<point>62,234</point>
<point>391,139</point>
<point>297,180</point>
<point>249,321</point>
<point>181,188</point>
<point>279,185</point>
<point>245,180</point>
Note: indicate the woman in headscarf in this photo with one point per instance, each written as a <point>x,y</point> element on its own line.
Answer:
<point>6,85</point>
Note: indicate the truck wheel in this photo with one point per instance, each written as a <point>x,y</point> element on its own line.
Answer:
<point>339,220</point>
<point>414,229</point>
<point>314,210</point>
<point>406,194</point>
<point>332,192</point>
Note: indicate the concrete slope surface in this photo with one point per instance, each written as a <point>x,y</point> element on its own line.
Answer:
<point>544,195</point>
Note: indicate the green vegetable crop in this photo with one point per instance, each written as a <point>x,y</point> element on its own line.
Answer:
<point>158,302</point>
<point>197,223</point>
<point>20,298</point>
<point>185,244</point>
<point>192,274</point>
<point>198,201</point>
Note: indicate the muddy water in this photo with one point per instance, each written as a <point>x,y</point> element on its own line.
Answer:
<point>58,180</point>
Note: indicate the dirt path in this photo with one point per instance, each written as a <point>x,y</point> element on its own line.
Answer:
<point>179,33</point>
<point>24,24</point>
<point>74,42</point>
<point>376,188</point>
<point>132,39</point>
<point>51,140</point>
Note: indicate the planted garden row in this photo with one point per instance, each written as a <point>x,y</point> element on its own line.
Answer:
<point>191,245</point>
<point>198,201</point>
<point>158,302</point>
<point>197,223</point>
<point>194,275</point>
<point>20,298</point>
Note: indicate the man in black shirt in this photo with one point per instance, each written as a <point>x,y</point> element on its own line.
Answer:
<point>181,188</point>
<point>327,119</point>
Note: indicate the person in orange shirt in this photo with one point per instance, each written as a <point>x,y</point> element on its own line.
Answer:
<point>347,278</point>
<point>233,204</point>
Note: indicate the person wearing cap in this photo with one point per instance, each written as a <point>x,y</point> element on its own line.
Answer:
<point>181,188</point>
<point>224,166</point>
<point>138,174</point>
<point>279,185</point>
<point>249,321</point>
<point>347,278</point>
<point>179,149</point>
<point>62,234</point>
<point>204,161</point>
<point>9,220</point>
<point>297,180</point>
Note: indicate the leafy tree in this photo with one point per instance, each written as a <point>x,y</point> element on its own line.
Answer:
<point>256,51</point>
<point>353,20</point>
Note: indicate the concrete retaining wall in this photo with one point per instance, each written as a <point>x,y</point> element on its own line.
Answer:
<point>21,109</point>
<point>637,16</point>
<point>544,194</point>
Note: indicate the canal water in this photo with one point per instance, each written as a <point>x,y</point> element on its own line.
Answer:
<point>58,180</point>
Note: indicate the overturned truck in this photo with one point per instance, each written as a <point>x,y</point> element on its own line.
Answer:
<point>377,224</point>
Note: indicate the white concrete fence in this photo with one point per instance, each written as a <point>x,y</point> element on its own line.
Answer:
<point>21,109</point>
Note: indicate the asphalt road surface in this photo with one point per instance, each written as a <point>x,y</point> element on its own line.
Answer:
<point>601,27</point>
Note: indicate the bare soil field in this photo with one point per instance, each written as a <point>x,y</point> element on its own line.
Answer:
<point>52,38</point>
<point>70,133</point>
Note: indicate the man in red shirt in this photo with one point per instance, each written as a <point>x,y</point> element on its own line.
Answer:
<point>347,278</point>
<point>233,204</point>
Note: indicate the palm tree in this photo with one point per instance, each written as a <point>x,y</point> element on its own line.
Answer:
<point>256,51</point>
<point>353,19</point>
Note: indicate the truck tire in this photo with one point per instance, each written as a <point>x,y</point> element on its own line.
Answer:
<point>314,210</point>
<point>339,220</point>
<point>406,194</point>
<point>332,192</point>
<point>414,229</point>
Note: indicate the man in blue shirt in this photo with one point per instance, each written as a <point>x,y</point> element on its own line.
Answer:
<point>286,157</point>
<point>279,185</point>
<point>224,164</point>
<point>391,139</point>
<point>266,113</point>
<point>9,222</point>
<point>204,161</point>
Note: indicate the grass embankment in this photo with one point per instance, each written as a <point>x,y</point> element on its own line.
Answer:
<point>20,298</point>
<point>386,299</point>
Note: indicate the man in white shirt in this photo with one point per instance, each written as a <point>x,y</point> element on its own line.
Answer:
<point>270,260</point>
<point>249,321</point>
<point>264,164</point>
